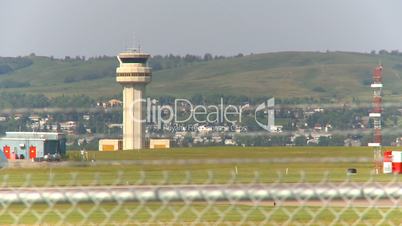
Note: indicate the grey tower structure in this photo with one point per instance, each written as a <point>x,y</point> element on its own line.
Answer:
<point>133,74</point>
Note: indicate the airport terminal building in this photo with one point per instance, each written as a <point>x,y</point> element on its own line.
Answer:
<point>31,145</point>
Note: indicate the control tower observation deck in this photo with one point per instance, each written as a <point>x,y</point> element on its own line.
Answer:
<point>133,74</point>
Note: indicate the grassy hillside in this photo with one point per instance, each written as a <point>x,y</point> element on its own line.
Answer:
<point>287,74</point>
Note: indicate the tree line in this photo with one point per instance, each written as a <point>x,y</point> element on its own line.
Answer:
<point>16,100</point>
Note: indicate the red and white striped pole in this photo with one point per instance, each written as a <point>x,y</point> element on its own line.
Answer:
<point>376,115</point>
<point>387,163</point>
<point>397,162</point>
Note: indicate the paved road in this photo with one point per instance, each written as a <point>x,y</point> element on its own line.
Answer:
<point>294,193</point>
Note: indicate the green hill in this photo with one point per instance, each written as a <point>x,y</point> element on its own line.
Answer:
<point>287,74</point>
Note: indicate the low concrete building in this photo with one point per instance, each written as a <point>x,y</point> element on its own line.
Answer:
<point>30,145</point>
<point>159,143</point>
<point>110,144</point>
<point>68,127</point>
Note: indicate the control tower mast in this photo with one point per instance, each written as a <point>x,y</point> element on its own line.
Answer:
<point>133,74</point>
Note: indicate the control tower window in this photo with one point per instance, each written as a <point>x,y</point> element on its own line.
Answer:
<point>134,60</point>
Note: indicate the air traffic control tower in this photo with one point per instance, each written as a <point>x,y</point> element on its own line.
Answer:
<point>133,74</point>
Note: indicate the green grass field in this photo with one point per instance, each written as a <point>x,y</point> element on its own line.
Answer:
<point>106,172</point>
<point>134,212</point>
<point>338,74</point>
<point>102,172</point>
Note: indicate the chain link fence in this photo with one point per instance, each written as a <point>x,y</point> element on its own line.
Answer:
<point>233,202</point>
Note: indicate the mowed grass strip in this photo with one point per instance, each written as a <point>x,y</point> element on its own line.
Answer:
<point>181,213</point>
<point>153,174</point>
<point>227,152</point>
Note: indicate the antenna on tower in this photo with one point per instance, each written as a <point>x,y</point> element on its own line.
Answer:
<point>376,115</point>
<point>125,44</point>
<point>132,46</point>
<point>133,40</point>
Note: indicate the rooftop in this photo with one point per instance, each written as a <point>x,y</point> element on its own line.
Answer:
<point>34,135</point>
<point>133,54</point>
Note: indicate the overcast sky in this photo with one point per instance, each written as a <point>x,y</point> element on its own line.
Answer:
<point>227,27</point>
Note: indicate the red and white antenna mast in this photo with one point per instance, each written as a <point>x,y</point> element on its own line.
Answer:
<point>376,115</point>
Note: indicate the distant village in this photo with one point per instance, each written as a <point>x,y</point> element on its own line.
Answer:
<point>295,127</point>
